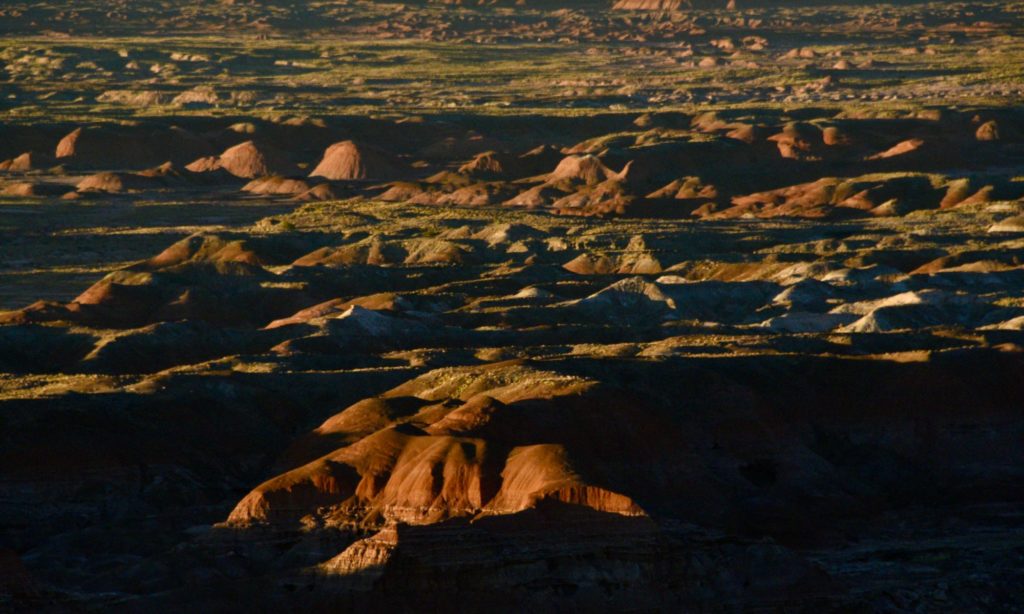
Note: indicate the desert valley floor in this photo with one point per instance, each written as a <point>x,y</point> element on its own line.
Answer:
<point>544,307</point>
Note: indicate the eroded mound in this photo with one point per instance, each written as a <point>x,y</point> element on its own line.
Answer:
<point>348,160</point>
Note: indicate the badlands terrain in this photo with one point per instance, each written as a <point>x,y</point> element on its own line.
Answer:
<point>579,305</point>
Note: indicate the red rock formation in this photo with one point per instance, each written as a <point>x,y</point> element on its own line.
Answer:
<point>248,160</point>
<point>349,160</point>
<point>21,164</point>
<point>251,160</point>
